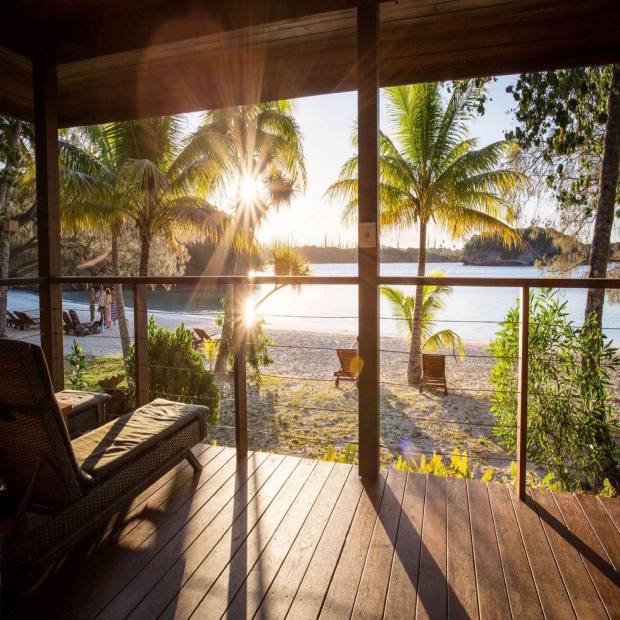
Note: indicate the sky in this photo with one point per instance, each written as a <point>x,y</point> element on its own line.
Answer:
<point>326,123</point>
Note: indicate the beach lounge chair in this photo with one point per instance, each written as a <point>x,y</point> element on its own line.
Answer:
<point>202,336</point>
<point>12,320</point>
<point>433,372</point>
<point>70,488</point>
<point>26,322</point>
<point>81,329</point>
<point>67,323</point>
<point>349,365</point>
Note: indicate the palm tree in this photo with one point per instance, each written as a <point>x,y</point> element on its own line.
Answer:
<point>433,300</point>
<point>431,171</point>
<point>146,173</point>
<point>259,153</point>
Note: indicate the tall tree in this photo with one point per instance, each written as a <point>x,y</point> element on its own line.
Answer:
<point>142,173</point>
<point>259,153</point>
<point>431,171</point>
<point>569,124</point>
<point>10,135</point>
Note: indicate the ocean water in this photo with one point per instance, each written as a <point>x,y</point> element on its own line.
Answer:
<point>473,313</point>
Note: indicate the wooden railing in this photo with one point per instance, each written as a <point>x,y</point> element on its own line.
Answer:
<point>240,284</point>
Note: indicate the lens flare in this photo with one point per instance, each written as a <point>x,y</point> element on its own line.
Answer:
<point>248,188</point>
<point>249,313</point>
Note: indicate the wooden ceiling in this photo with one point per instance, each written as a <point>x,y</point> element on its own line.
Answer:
<point>119,59</point>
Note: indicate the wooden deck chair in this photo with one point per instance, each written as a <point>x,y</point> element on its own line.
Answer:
<point>74,486</point>
<point>67,323</point>
<point>433,372</point>
<point>26,321</point>
<point>12,320</point>
<point>349,365</point>
<point>202,336</point>
<point>81,329</point>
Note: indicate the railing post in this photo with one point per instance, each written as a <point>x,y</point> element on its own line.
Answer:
<point>141,344</point>
<point>524,332</point>
<point>48,214</point>
<point>239,371</point>
<point>368,264</point>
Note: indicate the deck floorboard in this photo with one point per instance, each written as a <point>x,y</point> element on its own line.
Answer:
<point>275,536</point>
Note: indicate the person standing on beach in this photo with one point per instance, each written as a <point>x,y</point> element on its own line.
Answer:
<point>107,308</point>
<point>92,302</point>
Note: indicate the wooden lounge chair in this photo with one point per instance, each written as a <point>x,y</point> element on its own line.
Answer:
<point>433,372</point>
<point>26,322</point>
<point>74,486</point>
<point>202,336</point>
<point>81,329</point>
<point>349,366</point>
<point>12,320</point>
<point>67,323</point>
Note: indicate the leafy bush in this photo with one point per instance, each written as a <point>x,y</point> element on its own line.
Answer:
<point>77,361</point>
<point>176,370</point>
<point>571,418</point>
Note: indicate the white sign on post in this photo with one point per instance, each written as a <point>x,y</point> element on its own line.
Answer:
<point>367,235</point>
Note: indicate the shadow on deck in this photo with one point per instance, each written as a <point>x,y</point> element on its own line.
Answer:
<point>277,536</point>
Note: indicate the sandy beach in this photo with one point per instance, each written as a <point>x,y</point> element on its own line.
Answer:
<point>298,409</point>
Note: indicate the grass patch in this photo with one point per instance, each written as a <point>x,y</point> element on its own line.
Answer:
<point>99,367</point>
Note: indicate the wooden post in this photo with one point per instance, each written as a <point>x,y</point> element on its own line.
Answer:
<point>141,344</point>
<point>48,212</point>
<point>239,371</point>
<point>368,264</point>
<point>524,332</point>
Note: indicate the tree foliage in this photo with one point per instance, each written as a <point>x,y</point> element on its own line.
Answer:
<point>433,300</point>
<point>571,418</point>
<point>561,118</point>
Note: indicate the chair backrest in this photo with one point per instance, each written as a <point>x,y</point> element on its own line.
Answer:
<point>33,434</point>
<point>201,333</point>
<point>348,360</point>
<point>74,317</point>
<point>433,365</point>
<point>67,319</point>
<point>22,316</point>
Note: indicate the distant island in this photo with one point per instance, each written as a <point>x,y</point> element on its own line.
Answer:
<point>333,254</point>
<point>539,245</point>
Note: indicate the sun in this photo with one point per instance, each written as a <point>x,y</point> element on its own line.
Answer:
<point>248,189</point>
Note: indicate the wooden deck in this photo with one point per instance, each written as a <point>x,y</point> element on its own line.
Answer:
<point>278,536</point>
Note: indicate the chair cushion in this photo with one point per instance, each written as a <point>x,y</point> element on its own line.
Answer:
<point>122,441</point>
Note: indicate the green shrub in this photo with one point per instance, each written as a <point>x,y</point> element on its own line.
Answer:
<point>176,370</point>
<point>77,361</point>
<point>571,419</point>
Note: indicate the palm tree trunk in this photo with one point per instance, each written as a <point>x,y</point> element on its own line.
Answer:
<point>123,328</point>
<point>414,367</point>
<point>5,244</point>
<point>603,223</point>
<point>145,251</point>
